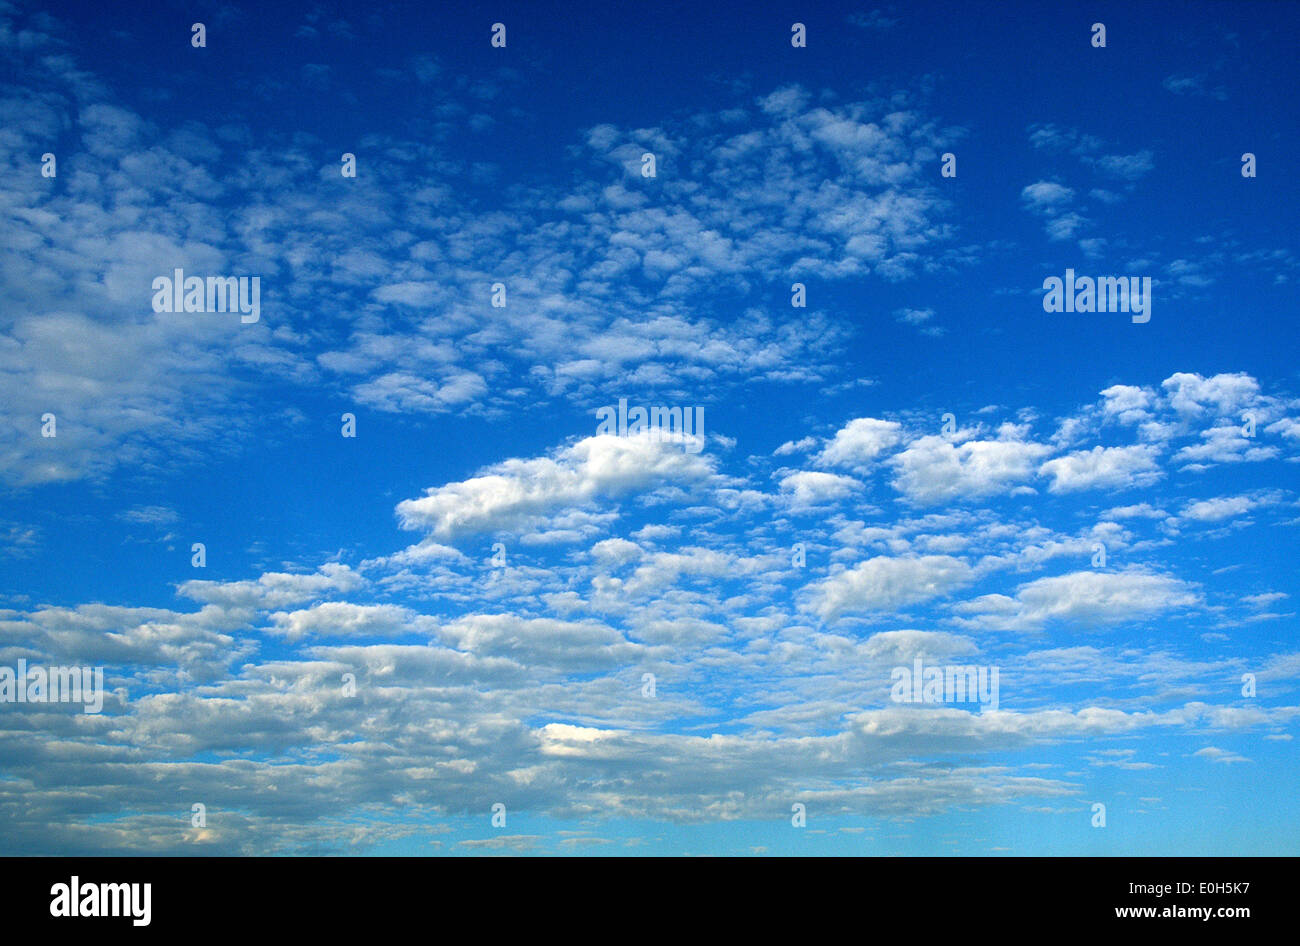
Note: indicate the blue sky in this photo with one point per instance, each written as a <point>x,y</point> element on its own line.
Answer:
<point>971,543</point>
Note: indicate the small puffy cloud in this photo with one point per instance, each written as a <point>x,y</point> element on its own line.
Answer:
<point>919,318</point>
<point>423,554</point>
<point>860,442</point>
<point>1127,167</point>
<point>810,488</point>
<point>1221,393</point>
<point>541,642</point>
<point>514,843</point>
<point>1050,137</point>
<point>516,493</point>
<point>1224,444</point>
<point>1093,247</point>
<point>199,643</point>
<point>1127,403</point>
<point>795,446</point>
<point>1189,273</point>
<point>1287,427</point>
<point>341,619</point>
<point>615,551</point>
<point>1116,467</point>
<point>1265,599</point>
<point>784,102</point>
<point>1216,510</point>
<point>1065,226</point>
<point>903,646</point>
<point>1084,597</point>
<point>914,316</point>
<point>934,470</point>
<point>1046,196</point>
<point>1136,511</point>
<point>274,589</point>
<point>886,584</point>
<point>1221,756</point>
<point>150,515</point>
<point>401,391</point>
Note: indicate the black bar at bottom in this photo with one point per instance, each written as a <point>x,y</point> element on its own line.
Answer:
<point>333,895</point>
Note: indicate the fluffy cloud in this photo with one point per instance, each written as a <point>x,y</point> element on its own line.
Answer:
<point>808,488</point>
<point>1222,393</point>
<point>341,619</point>
<point>1046,196</point>
<point>1103,467</point>
<point>275,589</point>
<point>933,469</point>
<point>1216,510</point>
<point>1084,597</point>
<point>885,584</point>
<point>518,493</point>
<point>860,443</point>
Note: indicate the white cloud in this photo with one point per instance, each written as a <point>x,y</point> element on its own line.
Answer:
<point>1083,597</point>
<point>885,584</point>
<point>516,493</point>
<point>808,488</point>
<point>1127,167</point>
<point>933,469</point>
<point>341,619</point>
<point>274,589</point>
<point>795,446</point>
<point>150,515</point>
<point>1216,510</point>
<point>1221,756</point>
<point>860,443</point>
<point>1129,403</point>
<point>1137,511</point>
<point>1115,467</point>
<point>541,642</point>
<point>1225,444</point>
<point>1046,196</point>
<point>1221,393</point>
